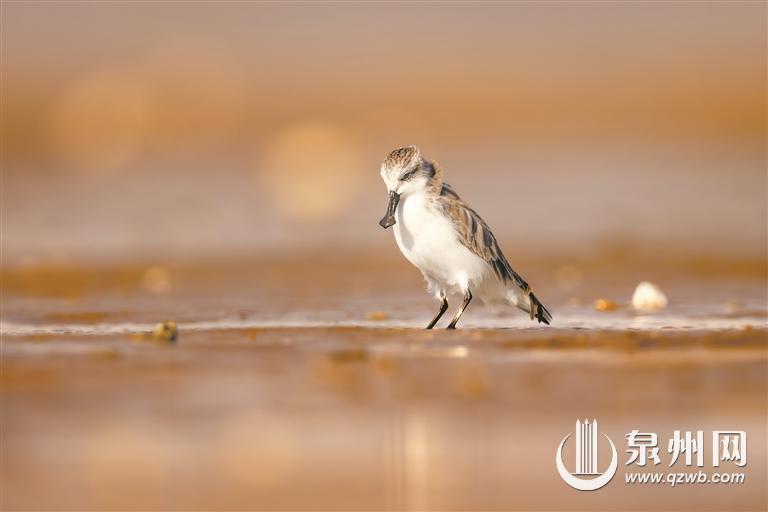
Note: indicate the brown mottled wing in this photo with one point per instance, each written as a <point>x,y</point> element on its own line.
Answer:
<point>475,234</point>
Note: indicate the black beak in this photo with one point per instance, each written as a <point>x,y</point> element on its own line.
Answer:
<point>389,219</point>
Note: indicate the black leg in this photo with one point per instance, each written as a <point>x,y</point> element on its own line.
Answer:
<point>443,308</point>
<point>467,299</point>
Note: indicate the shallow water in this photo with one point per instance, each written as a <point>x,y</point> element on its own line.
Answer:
<point>294,389</point>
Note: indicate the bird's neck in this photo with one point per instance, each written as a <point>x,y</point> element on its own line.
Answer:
<point>436,181</point>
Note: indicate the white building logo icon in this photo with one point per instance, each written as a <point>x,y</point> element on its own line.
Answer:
<point>587,444</point>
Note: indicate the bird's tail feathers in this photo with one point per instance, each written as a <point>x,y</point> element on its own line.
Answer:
<point>526,300</point>
<point>538,310</point>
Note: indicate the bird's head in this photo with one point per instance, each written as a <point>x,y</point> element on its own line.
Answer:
<point>404,172</point>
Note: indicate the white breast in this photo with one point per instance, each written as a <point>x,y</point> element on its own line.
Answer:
<point>427,239</point>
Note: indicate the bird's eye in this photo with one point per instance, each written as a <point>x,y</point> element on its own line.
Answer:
<point>408,175</point>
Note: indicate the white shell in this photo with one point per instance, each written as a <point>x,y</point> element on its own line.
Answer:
<point>648,297</point>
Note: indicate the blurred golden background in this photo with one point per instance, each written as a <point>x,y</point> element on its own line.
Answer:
<point>199,310</point>
<point>184,130</point>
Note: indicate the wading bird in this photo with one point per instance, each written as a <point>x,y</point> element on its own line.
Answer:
<point>447,240</point>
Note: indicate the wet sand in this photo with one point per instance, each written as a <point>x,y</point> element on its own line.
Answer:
<point>285,392</point>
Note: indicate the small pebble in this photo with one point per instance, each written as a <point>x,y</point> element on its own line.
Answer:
<point>606,305</point>
<point>377,315</point>
<point>648,297</point>
<point>166,331</point>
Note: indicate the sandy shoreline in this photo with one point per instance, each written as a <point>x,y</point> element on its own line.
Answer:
<point>300,384</point>
<point>364,419</point>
